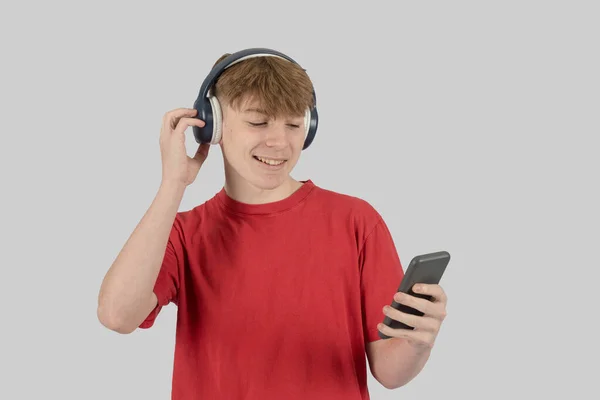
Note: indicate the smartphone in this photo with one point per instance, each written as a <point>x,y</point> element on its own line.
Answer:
<point>425,268</point>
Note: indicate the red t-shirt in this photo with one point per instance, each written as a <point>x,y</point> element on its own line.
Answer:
<point>276,300</point>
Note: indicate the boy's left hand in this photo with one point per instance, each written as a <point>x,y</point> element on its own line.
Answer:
<point>426,327</point>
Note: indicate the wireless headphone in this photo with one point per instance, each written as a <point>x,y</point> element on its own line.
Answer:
<point>209,109</point>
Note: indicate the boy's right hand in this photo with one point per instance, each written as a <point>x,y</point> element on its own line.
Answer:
<point>177,166</point>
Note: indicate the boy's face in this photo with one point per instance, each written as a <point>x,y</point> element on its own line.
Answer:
<point>259,150</point>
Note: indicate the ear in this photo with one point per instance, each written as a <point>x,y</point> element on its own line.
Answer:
<point>223,129</point>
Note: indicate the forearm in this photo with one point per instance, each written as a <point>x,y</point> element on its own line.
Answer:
<point>400,363</point>
<point>127,287</point>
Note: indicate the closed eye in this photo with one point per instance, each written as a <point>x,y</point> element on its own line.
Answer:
<point>264,123</point>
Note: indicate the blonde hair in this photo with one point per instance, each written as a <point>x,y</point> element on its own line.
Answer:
<point>280,87</point>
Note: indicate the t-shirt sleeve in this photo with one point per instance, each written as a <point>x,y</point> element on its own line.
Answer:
<point>381,274</point>
<point>167,283</point>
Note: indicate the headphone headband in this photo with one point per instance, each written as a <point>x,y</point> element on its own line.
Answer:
<point>209,109</point>
<point>236,58</point>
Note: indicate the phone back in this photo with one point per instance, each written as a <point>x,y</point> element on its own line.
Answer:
<point>425,268</point>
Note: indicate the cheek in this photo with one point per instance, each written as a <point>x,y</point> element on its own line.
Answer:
<point>227,145</point>
<point>236,143</point>
<point>298,144</point>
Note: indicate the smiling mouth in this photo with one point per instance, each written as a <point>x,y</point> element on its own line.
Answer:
<point>269,161</point>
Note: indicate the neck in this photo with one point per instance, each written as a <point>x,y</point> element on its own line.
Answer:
<point>244,191</point>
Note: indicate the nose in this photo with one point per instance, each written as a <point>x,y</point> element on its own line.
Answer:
<point>276,136</point>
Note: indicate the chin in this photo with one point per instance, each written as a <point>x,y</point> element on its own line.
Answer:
<point>268,182</point>
<point>261,177</point>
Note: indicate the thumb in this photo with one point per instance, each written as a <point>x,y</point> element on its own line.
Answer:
<point>201,153</point>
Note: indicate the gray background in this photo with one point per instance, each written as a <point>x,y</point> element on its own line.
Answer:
<point>471,126</point>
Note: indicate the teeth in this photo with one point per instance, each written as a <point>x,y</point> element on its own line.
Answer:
<point>270,162</point>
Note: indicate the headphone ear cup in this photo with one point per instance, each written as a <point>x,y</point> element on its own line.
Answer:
<point>217,120</point>
<point>311,121</point>
<point>205,113</point>
<point>306,123</point>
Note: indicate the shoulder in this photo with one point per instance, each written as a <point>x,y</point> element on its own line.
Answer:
<point>188,221</point>
<point>346,201</point>
<point>348,207</point>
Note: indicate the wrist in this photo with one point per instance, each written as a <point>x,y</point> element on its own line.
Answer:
<point>173,187</point>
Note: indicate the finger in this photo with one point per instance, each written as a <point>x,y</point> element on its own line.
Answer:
<point>185,123</point>
<point>172,117</point>
<point>429,308</point>
<point>422,338</point>
<point>423,305</point>
<point>416,321</point>
<point>435,291</point>
<point>201,154</point>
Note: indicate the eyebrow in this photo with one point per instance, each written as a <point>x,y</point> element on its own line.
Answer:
<point>258,110</point>
<point>262,111</point>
